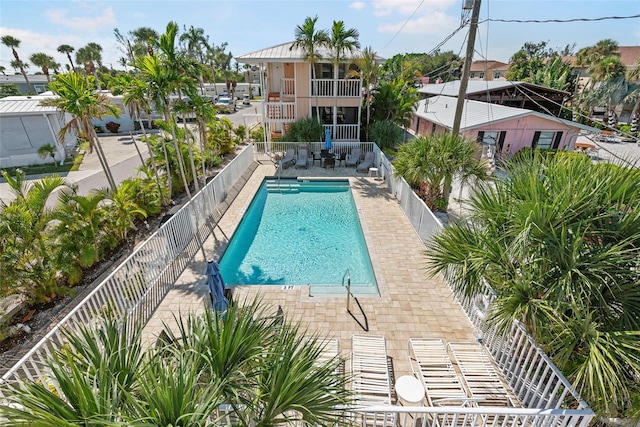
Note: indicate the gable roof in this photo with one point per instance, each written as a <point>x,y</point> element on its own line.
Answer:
<point>629,55</point>
<point>488,65</point>
<point>25,105</point>
<point>441,110</point>
<point>286,53</point>
<point>479,86</point>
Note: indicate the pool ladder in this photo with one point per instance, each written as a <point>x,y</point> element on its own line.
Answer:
<point>347,276</point>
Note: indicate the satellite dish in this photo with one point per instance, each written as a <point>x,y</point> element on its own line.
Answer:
<point>481,305</point>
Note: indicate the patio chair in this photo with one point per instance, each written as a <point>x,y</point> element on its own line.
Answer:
<point>432,365</point>
<point>367,163</point>
<point>303,158</point>
<point>480,376</point>
<point>371,379</point>
<point>288,158</point>
<point>354,158</point>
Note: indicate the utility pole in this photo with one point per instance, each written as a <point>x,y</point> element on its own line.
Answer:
<point>473,27</point>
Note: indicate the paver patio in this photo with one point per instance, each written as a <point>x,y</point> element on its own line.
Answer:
<point>410,305</point>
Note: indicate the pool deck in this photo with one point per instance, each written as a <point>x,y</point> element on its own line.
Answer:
<point>410,305</point>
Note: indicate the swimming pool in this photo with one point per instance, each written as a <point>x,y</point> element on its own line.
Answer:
<point>300,232</point>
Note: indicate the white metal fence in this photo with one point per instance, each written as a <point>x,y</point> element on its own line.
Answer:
<point>535,380</point>
<point>137,286</point>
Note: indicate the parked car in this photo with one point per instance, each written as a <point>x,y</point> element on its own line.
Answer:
<point>225,105</point>
<point>246,100</point>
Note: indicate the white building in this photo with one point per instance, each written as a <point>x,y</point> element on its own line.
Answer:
<point>25,126</point>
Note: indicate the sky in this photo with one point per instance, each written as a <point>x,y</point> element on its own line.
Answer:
<point>390,27</point>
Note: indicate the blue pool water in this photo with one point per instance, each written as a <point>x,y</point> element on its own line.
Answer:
<point>300,233</point>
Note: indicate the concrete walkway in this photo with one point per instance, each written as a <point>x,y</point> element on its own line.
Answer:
<point>410,304</point>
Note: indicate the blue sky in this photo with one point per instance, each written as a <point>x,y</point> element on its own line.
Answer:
<point>388,26</point>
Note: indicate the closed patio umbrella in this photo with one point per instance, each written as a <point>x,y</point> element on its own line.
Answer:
<point>327,139</point>
<point>216,287</point>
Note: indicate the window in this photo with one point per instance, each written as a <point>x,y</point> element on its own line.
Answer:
<point>546,140</point>
<point>495,138</point>
<point>481,75</point>
<point>472,75</point>
<point>497,74</point>
<point>324,71</point>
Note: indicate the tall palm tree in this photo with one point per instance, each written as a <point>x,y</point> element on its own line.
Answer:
<point>196,41</point>
<point>341,42</point>
<point>560,252</point>
<point>436,160</point>
<point>13,43</point>
<point>77,98</point>
<point>67,50</point>
<point>146,40</point>
<point>44,61</point>
<point>310,40</point>
<point>90,55</point>
<point>134,93</point>
<point>369,71</point>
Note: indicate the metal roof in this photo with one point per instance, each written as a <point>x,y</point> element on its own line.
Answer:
<point>477,86</point>
<point>441,110</point>
<point>24,105</point>
<point>19,78</point>
<point>285,53</point>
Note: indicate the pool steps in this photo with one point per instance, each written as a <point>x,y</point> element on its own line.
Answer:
<point>296,186</point>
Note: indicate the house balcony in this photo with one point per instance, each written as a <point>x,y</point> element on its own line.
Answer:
<point>348,88</point>
<point>280,112</point>
<point>348,132</point>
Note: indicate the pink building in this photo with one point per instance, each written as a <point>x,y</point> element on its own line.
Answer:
<point>503,129</point>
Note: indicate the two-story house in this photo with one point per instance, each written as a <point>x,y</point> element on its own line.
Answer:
<point>292,91</point>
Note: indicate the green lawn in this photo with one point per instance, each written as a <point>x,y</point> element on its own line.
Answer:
<point>49,168</point>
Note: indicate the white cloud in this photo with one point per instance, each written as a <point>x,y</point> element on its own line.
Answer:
<point>407,7</point>
<point>357,5</point>
<point>90,22</point>
<point>433,23</point>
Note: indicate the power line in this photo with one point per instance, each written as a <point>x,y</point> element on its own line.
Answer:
<point>545,21</point>
<point>403,25</point>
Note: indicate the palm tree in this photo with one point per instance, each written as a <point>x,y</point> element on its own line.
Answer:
<point>309,39</point>
<point>134,93</point>
<point>67,50</point>
<point>47,150</point>
<point>43,61</point>
<point>369,72</point>
<point>341,41</point>
<point>435,160</point>
<point>13,43</point>
<point>145,41</point>
<point>264,368</point>
<point>89,55</point>
<point>560,252</point>
<point>27,262</point>
<point>77,98</point>
<point>2,68</point>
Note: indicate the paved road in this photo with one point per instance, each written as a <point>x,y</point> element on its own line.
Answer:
<point>123,158</point>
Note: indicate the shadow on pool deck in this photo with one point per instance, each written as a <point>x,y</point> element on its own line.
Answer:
<point>410,305</point>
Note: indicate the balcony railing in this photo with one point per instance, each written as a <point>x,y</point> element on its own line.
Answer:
<point>344,132</point>
<point>346,88</point>
<point>280,112</point>
<point>288,86</point>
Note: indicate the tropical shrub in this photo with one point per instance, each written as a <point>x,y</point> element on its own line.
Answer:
<point>265,368</point>
<point>559,242</point>
<point>386,134</point>
<point>304,130</point>
<point>257,134</point>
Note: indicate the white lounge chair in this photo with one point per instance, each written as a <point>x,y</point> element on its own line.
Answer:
<point>430,362</point>
<point>371,383</point>
<point>480,376</point>
<point>303,158</point>
<point>288,158</point>
<point>354,158</point>
<point>367,163</point>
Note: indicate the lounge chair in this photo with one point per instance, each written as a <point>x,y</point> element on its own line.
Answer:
<point>354,158</point>
<point>430,362</point>
<point>480,377</point>
<point>366,163</point>
<point>303,158</point>
<point>371,379</point>
<point>288,158</point>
